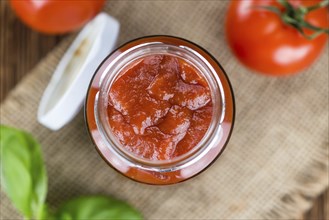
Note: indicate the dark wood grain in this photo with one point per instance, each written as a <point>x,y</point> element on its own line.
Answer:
<point>22,48</point>
<point>320,209</point>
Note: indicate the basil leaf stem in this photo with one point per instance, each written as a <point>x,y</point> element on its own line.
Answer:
<point>24,180</point>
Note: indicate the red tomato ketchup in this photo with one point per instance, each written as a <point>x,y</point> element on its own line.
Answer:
<point>160,110</point>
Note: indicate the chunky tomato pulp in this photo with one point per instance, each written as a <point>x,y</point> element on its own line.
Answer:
<point>160,110</point>
<point>159,107</point>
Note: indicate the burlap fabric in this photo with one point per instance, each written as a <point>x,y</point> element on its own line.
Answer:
<point>275,163</point>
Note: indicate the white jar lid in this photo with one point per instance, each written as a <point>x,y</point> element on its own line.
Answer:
<point>66,91</point>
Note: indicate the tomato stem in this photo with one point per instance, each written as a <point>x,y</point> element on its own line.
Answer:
<point>317,6</point>
<point>295,17</point>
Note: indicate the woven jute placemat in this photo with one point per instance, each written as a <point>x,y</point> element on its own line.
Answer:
<point>275,163</point>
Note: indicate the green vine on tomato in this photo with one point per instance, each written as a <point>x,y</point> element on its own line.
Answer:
<point>277,37</point>
<point>295,17</point>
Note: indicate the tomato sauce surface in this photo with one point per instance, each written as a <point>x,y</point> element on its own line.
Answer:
<point>160,107</point>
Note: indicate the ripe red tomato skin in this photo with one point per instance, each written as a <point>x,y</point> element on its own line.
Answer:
<point>262,42</point>
<point>56,16</point>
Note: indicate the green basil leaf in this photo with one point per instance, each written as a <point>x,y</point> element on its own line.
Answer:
<point>45,214</point>
<point>97,207</point>
<point>23,175</point>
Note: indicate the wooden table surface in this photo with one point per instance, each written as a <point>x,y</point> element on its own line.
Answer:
<point>22,48</point>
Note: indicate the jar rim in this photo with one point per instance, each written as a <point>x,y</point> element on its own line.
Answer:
<point>214,130</point>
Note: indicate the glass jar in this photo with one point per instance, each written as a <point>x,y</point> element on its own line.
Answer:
<point>183,167</point>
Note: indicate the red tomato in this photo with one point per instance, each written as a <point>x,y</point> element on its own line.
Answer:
<point>263,42</point>
<point>56,16</point>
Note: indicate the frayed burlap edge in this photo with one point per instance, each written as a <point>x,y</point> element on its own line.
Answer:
<point>305,188</point>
